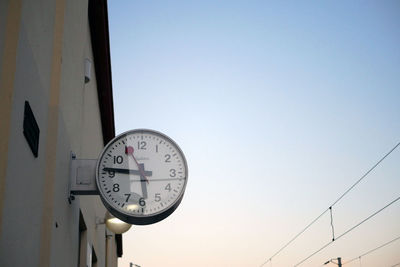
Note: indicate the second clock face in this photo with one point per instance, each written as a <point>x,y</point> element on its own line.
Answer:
<point>141,176</point>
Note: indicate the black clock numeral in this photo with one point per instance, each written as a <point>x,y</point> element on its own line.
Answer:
<point>142,145</point>
<point>127,197</point>
<point>168,187</point>
<point>156,148</point>
<point>116,187</point>
<point>142,202</point>
<point>172,172</point>
<point>157,197</point>
<point>118,159</point>
<point>111,174</point>
<point>167,157</point>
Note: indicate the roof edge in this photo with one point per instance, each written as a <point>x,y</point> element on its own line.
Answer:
<point>98,22</point>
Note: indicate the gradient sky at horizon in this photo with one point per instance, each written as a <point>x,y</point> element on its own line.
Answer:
<point>279,107</point>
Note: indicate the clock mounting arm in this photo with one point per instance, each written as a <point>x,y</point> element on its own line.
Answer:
<point>82,177</point>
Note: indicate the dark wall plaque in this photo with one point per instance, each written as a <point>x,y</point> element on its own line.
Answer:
<point>31,129</point>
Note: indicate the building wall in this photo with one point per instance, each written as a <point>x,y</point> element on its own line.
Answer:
<point>38,225</point>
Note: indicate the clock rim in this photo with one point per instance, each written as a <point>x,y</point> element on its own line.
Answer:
<point>146,219</point>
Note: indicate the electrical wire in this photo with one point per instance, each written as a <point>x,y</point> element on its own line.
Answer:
<point>294,238</point>
<point>372,250</point>
<point>397,264</point>
<point>347,231</point>
<point>333,229</point>
<point>362,177</point>
<point>330,207</point>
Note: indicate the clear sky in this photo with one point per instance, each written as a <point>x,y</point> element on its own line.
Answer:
<point>279,108</point>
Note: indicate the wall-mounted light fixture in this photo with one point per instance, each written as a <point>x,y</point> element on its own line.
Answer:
<point>114,224</point>
<point>88,66</point>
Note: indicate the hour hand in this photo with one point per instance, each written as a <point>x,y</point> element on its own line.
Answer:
<point>128,171</point>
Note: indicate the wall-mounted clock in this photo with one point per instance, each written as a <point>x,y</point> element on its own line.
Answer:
<point>141,176</point>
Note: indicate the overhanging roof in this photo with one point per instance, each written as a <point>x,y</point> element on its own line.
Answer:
<point>98,22</point>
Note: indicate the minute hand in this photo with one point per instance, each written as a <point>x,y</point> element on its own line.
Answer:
<point>128,171</point>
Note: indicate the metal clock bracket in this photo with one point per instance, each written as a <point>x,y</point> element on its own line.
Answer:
<point>82,177</point>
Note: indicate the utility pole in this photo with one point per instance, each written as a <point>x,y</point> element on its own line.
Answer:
<point>339,263</point>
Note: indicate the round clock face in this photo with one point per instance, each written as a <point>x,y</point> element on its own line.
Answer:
<point>141,176</point>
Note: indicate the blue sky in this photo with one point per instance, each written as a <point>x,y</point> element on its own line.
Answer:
<point>279,107</point>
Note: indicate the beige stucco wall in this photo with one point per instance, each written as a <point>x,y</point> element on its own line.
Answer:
<point>3,19</point>
<point>22,204</point>
<point>78,130</point>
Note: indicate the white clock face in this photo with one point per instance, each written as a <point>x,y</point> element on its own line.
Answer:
<point>141,176</point>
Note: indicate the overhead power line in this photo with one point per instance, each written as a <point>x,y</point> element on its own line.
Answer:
<point>362,177</point>
<point>372,250</point>
<point>347,231</point>
<point>330,207</point>
<point>294,238</point>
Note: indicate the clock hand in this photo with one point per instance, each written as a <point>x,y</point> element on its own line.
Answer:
<point>128,171</point>
<point>129,151</point>
<point>143,179</point>
<point>160,180</point>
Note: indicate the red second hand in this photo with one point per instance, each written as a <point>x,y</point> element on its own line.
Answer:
<point>129,151</point>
